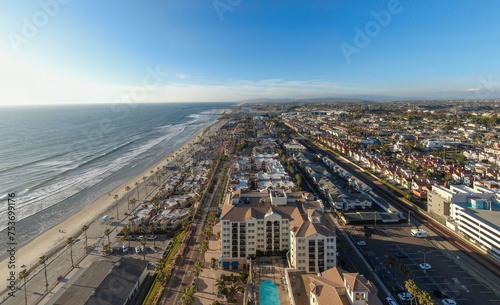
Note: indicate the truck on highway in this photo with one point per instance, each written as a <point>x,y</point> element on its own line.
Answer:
<point>419,233</point>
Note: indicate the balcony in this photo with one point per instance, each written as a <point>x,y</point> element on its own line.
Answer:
<point>242,230</point>
<point>234,242</point>
<point>242,236</point>
<point>235,236</point>
<point>268,224</point>
<point>234,231</point>
<point>235,248</point>
<point>235,254</point>
<point>269,235</point>
<point>234,225</point>
<point>269,241</point>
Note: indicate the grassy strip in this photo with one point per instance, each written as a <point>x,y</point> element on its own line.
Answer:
<point>155,287</point>
<point>152,292</point>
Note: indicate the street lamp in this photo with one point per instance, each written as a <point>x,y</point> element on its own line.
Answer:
<point>409,214</point>
<point>425,253</point>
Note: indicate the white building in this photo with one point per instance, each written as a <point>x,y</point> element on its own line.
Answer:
<point>474,212</point>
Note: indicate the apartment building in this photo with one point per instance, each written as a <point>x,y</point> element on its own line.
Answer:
<point>306,238</point>
<point>474,212</point>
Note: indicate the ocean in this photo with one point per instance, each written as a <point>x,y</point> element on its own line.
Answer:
<point>59,158</point>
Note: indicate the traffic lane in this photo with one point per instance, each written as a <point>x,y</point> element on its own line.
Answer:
<point>353,263</point>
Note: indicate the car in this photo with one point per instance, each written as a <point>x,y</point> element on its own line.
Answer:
<point>405,296</point>
<point>361,243</point>
<point>449,302</point>
<point>152,237</point>
<point>401,254</point>
<point>438,294</point>
<point>391,301</point>
<point>137,249</point>
<point>425,266</point>
<point>140,237</point>
<point>143,249</point>
<point>125,248</point>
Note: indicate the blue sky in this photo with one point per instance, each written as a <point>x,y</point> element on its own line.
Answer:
<point>63,51</point>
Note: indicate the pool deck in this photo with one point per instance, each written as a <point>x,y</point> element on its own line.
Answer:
<point>270,269</point>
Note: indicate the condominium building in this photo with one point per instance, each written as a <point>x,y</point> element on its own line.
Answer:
<point>245,230</point>
<point>473,212</point>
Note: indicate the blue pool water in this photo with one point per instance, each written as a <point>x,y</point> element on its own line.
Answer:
<point>269,293</point>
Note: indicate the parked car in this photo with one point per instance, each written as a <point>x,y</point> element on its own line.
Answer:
<point>449,302</point>
<point>137,249</point>
<point>143,249</point>
<point>401,254</point>
<point>125,248</point>
<point>152,237</point>
<point>361,243</point>
<point>405,297</point>
<point>391,301</point>
<point>425,266</point>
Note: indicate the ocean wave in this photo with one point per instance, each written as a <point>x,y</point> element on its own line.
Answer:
<point>32,162</point>
<point>63,185</point>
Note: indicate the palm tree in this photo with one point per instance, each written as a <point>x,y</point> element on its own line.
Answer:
<point>198,267</point>
<point>145,189</point>
<point>221,285</point>
<point>69,242</point>
<point>231,292</point>
<point>204,247</point>
<point>152,171</point>
<point>211,218</point>
<point>127,189</point>
<point>126,235</point>
<point>137,188</point>
<point>151,230</point>
<point>191,211</point>
<point>116,203</point>
<point>405,270</point>
<point>84,230</point>
<point>187,296</point>
<point>144,240</point>
<point>208,231</point>
<point>392,262</point>
<point>42,261</point>
<point>22,276</point>
<point>106,248</point>
<point>425,298</point>
<point>185,224</point>
<point>107,232</point>
<point>412,288</point>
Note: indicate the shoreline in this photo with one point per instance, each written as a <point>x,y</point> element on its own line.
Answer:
<point>53,240</point>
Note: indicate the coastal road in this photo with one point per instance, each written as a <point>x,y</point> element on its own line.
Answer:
<point>182,275</point>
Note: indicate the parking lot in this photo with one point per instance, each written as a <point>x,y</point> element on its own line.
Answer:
<point>137,251</point>
<point>444,279</point>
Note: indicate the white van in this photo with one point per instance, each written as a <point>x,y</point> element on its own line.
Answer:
<point>418,233</point>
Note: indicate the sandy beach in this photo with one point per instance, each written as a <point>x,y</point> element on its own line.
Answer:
<point>54,239</point>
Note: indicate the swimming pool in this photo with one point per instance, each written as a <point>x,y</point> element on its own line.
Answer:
<point>269,293</point>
